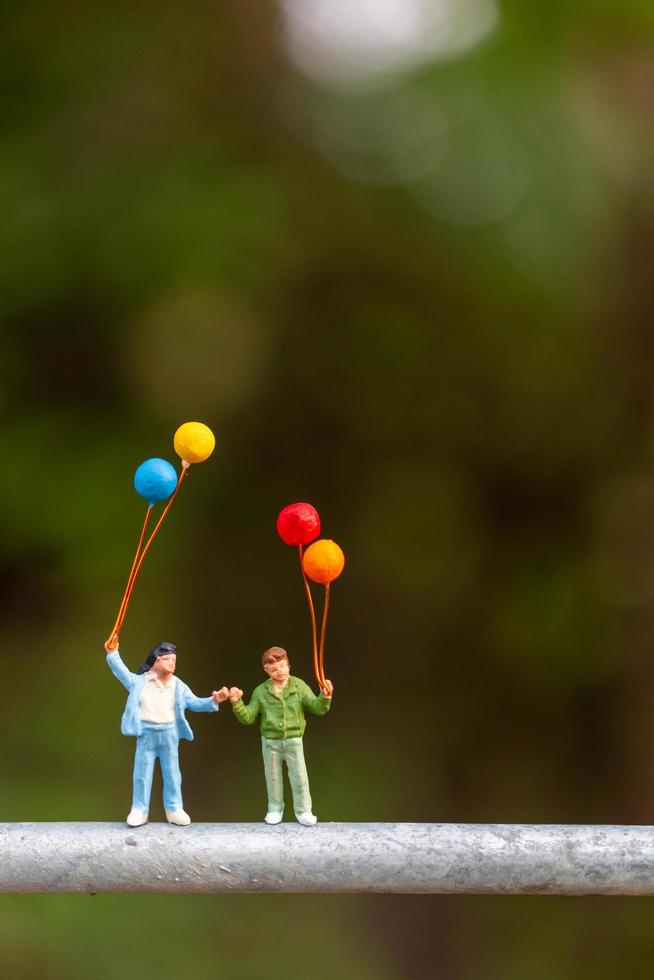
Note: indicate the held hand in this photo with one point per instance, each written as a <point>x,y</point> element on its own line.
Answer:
<point>221,695</point>
<point>328,689</point>
<point>235,694</point>
<point>112,644</point>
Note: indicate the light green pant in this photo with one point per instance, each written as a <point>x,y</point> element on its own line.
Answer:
<point>276,751</point>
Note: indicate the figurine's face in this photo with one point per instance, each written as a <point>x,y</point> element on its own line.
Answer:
<point>278,670</point>
<point>165,666</point>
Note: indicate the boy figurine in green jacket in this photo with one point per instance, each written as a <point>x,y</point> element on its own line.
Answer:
<point>281,701</point>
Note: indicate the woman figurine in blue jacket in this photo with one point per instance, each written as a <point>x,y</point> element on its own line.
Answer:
<point>154,713</point>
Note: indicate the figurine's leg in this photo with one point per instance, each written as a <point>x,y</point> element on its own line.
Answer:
<point>272,751</point>
<point>298,776</point>
<point>144,760</point>
<point>172,775</point>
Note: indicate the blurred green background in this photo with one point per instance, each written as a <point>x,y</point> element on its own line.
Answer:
<point>399,256</point>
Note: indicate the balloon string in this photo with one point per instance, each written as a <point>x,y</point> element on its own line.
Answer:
<point>121,611</point>
<point>313,618</point>
<point>141,557</point>
<point>323,631</point>
<point>151,539</point>
<point>115,629</point>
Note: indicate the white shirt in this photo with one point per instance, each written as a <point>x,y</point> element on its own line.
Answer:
<point>158,700</point>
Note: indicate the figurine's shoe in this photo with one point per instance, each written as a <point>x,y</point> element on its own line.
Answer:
<point>272,817</point>
<point>178,817</point>
<point>136,818</point>
<point>307,819</point>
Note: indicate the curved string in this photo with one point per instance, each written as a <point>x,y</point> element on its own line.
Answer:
<point>141,558</point>
<point>323,631</point>
<point>149,542</point>
<point>115,629</point>
<point>314,631</point>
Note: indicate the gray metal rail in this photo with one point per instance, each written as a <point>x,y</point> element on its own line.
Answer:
<point>338,857</point>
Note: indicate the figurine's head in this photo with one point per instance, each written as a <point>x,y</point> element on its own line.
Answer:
<point>162,659</point>
<point>276,665</point>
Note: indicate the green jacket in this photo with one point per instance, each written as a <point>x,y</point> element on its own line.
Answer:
<point>282,715</point>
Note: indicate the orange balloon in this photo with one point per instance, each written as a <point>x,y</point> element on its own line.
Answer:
<point>323,561</point>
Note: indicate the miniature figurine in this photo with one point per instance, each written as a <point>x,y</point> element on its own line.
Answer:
<point>154,713</point>
<point>281,701</point>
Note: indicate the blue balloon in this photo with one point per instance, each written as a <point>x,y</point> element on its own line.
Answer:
<point>155,480</point>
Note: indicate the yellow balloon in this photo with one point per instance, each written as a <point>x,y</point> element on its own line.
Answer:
<point>194,442</point>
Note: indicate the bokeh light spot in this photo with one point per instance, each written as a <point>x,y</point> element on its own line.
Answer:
<point>337,41</point>
<point>198,352</point>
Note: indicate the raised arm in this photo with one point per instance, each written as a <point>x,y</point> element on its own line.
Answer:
<point>317,704</point>
<point>119,670</point>
<point>246,713</point>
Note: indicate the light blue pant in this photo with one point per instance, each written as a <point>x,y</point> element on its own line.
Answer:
<point>276,752</point>
<point>157,742</point>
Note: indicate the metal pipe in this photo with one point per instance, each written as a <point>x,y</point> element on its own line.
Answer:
<point>331,857</point>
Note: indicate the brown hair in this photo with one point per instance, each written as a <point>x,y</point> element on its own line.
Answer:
<point>273,654</point>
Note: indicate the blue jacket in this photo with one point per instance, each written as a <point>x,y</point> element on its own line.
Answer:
<point>131,723</point>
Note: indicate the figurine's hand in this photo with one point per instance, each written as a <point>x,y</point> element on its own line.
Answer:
<point>221,695</point>
<point>328,689</point>
<point>235,694</point>
<point>112,644</point>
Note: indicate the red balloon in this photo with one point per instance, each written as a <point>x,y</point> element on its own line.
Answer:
<point>298,524</point>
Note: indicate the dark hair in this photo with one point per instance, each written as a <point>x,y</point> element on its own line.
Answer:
<point>273,655</point>
<point>160,650</point>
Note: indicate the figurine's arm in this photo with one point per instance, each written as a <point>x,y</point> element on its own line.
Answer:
<point>194,703</point>
<point>317,704</point>
<point>246,713</point>
<point>119,670</point>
